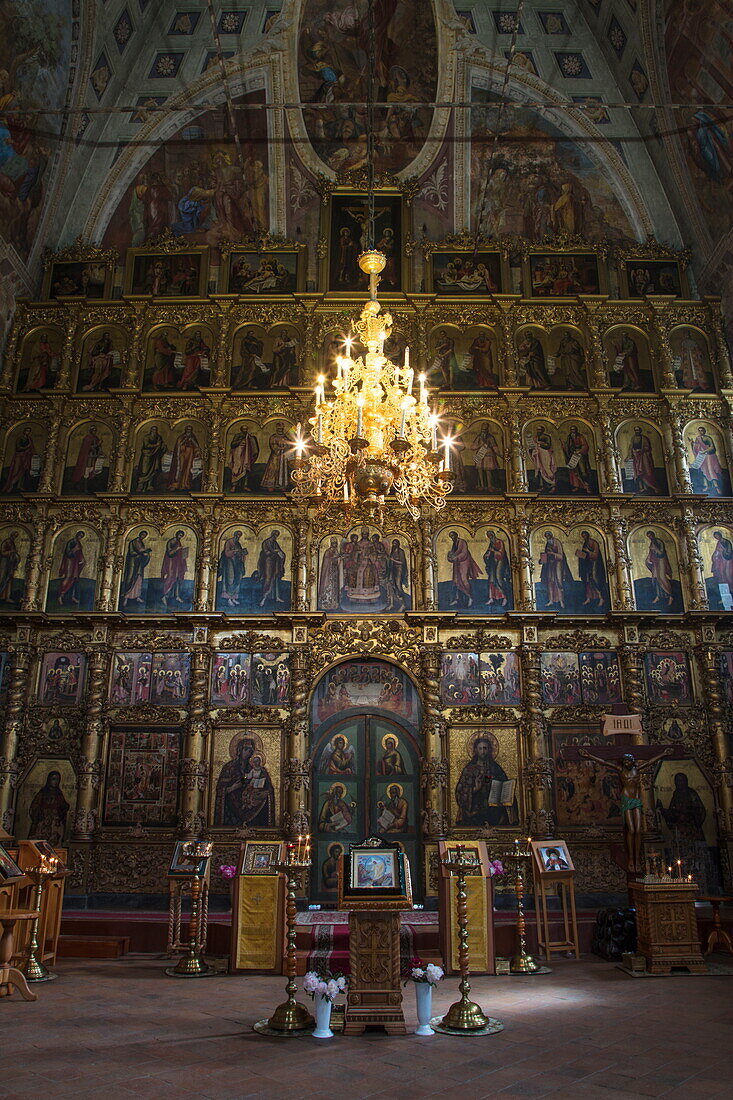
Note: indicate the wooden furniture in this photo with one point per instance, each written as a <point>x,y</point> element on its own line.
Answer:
<point>553,875</point>
<point>480,904</point>
<point>718,936</point>
<point>258,905</point>
<point>10,976</point>
<point>375,993</point>
<point>666,927</point>
<point>30,854</point>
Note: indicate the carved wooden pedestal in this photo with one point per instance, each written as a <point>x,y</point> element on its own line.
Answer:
<point>666,927</point>
<point>375,993</point>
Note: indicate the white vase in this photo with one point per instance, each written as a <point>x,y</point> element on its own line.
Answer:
<point>323,1018</point>
<point>424,999</point>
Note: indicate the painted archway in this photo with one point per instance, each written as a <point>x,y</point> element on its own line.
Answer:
<point>365,719</point>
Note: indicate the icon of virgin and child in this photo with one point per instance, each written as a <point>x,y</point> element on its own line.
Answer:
<point>364,572</point>
<point>245,795</point>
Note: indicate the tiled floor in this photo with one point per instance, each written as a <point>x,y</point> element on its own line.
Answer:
<point>118,1029</point>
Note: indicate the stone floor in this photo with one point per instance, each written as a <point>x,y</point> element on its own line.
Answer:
<point>121,1028</point>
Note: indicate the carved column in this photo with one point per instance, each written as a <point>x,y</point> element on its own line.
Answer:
<point>301,560</point>
<point>63,380</point>
<point>519,475</point>
<point>435,777</point>
<point>90,767</point>
<point>669,382</point>
<point>684,485</point>
<point>46,482</point>
<point>130,379</point>
<point>534,731</point>
<point>507,350</point>
<point>34,570</point>
<point>192,821</point>
<point>219,375</point>
<point>112,562</point>
<point>428,558</point>
<point>599,373</point>
<point>721,346</point>
<point>10,365</point>
<point>524,558</point>
<point>610,452</point>
<point>619,534</point>
<point>695,576</point>
<point>204,571</point>
<point>296,819</point>
<point>708,659</point>
<point>632,678</point>
<point>211,482</point>
<point>121,472</point>
<point>18,692</point>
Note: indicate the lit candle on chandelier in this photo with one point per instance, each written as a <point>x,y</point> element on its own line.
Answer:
<point>404,419</point>
<point>359,415</point>
<point>446,452</point>
<point>339,366</point>
<point>319,428</point>
<point>434,432</point>
<point>423,394</point>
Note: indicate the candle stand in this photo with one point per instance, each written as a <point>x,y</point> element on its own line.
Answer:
<point>192,964</point>
<point>464,1017</point>
<point>516,862</point>
<point>33,968</point>
<point>291,1018</point>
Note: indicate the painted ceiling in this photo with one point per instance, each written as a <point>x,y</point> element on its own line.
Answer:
<point>122,117</point>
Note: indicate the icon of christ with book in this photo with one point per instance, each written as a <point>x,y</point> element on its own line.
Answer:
<point>484,793</point>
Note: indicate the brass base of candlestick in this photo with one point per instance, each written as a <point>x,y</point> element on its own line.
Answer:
<point>465,1015</point>
<point>491,1027</point>
<point>191,967</point>
<point>525,964</point>
<point>35,971</point>
<point>291,1016</point>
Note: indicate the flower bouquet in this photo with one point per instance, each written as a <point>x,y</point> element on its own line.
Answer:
<point>424,978</point>
<point>323,987</point>
<point>227,871</point>
<point>420,973</point>
<point>496,867</point>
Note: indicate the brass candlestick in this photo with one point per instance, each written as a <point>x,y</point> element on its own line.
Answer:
<point>33,968</point>
<point>464,1017</point>
<point>192,963</point>
<point>521,963</point>
<point>291,1017</point>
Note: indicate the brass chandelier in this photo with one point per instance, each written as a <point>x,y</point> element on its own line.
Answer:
<point>372,437</point>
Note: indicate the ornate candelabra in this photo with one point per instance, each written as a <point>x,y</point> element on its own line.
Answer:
<point>192,964</point>
<point>464,1017</point>
<point>33,968</point>
<point>516,860</point>
<point>291,1017</point>
<point>373,437</point>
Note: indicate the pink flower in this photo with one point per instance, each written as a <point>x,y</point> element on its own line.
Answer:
<point>227,871</point>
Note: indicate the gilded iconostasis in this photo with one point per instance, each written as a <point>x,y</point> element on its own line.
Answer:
<point>184,649</point>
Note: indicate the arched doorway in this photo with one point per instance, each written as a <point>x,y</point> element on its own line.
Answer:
<point>365,717</point>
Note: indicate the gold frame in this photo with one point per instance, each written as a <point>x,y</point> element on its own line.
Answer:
<point>79,253</point>
<point>562,847</point>
<point>356,191</point>
<point>459,733</point>
<point>262,246</point>
<point>465,243</point>
<point>652,252</point>
<point>247,721</point>
<point>568,248</point>
<point>167,248</point>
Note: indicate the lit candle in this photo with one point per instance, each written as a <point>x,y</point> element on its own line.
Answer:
<point>423,394</point>
<point>359,415</point>
<point>404,419</point>
<point>446,453</point>
<point>347,344</point>
<point>319,428</point>
<point>339,366</point>
<point>434,432</point>
<point>346,492</point>
<point>407,358</point>
<point>410,376</point>
<point>679,868</point>
<point>689,878</point>
<point>346,374</point>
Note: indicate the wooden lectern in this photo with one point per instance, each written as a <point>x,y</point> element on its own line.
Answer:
<point>374,883</point>
<point>480,903</point>
<point>258,904</point>
<point>554,875</point>
<point>666,925</point>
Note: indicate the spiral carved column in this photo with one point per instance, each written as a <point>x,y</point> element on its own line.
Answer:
<point>708,658</point>
<point>435,766</point>
<point>297,772</point>
<point>90,771</point>
<point>18,692</point>
<point>534,731</point>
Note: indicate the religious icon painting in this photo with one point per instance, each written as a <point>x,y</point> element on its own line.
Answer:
<point>643,472</point>
<point>266,359</point>
<point>346,234</point>
<point>716,553</point>
<point>178,361</point>
<point>465,358</point>
<point>369,683</point>
<point>687,813</point>
<point>24,449</point>
<point>552,857</point>
<point>259,274</point>
<point>246,767</point>
<point>500,679</point>
<point>393,812</point>
<point>103,350</point>
<point>337,807</point>
<point>706,460</point>
<point>460,679</point>
<point>62,679</point>
<point>600,678</point>
<point>187,862</point>
<point>180,274</point>
<point>586,793</point>
<point>560,678</point>
<point>667,675</point>
<point>364,571</point>
<point>90,278</point>
<point>168,458</point>
<point>484,765</point>
<point>169,679</point>
<point>72,583</point>
<point>9,869</point>
<point>254,569</point>
<point>15,544</point>
<point>339,755</point>
<point>466,273</point>
<point>45,801</point>
<point>328,868</point>
<point>89,451</point>
<point>259,459</point>
<point>693,369</point>
<point>558,588</point>
<point>563,275</point>
<point>230,680</point>
<point>40,359</point>
<point>725,659</point>
<point>644,277</point>
<point>655,570</point>
<point>469,586</point>
<point>130,679</point>
<point>629,360</point>
<point>158,571</point>
<point>142,776</point>
<point>483,456</point>
<point>260,856</point>
<point>270,680</point>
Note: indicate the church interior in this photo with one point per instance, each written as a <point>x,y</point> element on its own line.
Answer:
<point>366,547</point>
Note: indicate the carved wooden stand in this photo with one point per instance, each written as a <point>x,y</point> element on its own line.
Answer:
<point>666,927</point>
<point>375,993</point>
